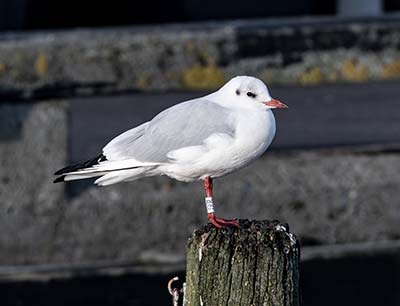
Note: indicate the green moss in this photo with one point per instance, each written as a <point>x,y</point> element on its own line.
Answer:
<point>312,75</point>
<point>144,81</point>
<point>351,70</point>
<point>203,77</point>
<point>41,65</point>
<point>391,70</point>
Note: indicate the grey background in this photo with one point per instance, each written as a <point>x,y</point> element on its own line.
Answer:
<point>332,173</point>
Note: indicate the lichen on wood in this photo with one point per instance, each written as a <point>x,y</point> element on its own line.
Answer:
<point>257,264</point>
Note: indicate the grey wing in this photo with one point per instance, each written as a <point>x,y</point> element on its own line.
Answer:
<point>119,144</point>
<point>185,124</point>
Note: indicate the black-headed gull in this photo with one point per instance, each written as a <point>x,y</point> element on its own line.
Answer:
<point>200,139</point>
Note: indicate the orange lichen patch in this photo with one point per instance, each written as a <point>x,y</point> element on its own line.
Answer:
<point>202,77</point>
<point>41,65</point>
<point>311,76</point>
<point>143,82</point>
<point>391,70</point>
<point>267,77</point>
<point>351,70</point>
<point>2,68</point>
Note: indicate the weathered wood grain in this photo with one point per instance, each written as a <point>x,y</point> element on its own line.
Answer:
<point>255,265</point>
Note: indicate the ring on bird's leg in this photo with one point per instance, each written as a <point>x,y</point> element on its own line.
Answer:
<point>209,205</point>
<point>217,222</point>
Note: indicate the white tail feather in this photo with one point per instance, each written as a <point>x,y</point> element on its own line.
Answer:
<point>72,177</point>
<point>123,175</point>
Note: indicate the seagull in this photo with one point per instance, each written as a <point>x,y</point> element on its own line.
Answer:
<point>199,139</point>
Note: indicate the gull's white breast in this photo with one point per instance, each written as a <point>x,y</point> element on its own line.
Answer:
<point>222,154</point>
<point>254,134</point>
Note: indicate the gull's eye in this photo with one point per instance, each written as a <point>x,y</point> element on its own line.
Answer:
<point>251,95</point>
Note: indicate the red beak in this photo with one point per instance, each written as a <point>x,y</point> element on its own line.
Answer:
<point>275,104</point>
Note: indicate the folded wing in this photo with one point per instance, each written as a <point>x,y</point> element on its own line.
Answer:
<point>183,125</point>
<point>171,135</point>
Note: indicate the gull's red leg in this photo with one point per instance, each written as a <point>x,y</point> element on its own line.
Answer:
<point>217,222</point>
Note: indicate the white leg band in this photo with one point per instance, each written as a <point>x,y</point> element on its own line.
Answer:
<point>209,205</point>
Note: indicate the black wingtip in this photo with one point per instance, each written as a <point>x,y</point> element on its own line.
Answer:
<point>59,179</point>
<point>88,163</point>
<point>61,171</point>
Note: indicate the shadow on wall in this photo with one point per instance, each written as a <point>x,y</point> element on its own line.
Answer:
<point>12,118</point>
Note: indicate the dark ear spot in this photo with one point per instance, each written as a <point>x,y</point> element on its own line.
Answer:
<point>238,92</point>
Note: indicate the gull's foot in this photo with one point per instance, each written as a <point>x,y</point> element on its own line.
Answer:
<point>219,222</point>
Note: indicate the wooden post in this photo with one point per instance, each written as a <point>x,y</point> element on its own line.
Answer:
<point>255,265</point>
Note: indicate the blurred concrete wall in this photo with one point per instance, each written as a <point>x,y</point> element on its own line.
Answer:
<point>197,56</point>
<point>33,141</point>
<point>326,195</point>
